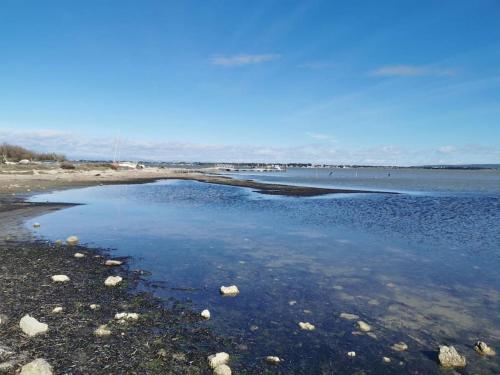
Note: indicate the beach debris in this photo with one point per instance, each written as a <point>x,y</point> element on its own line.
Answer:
<point>218,359</point>
<point>205,314</point>
<point>113,280</point>
<point>36,225</point>
<point>229,290</point>
<point>351,354</point>
<point>60,278</point>
<point>449,357</point>
<point>102,331</point>
<point>222,370</point>
<point>79,255</point>
<point>399,346</point>
<point>111,263</point>
<point>348,316</point>
<point>94,306</point>
<point>37,367</point>
<point>364,327</point>
<point>483,349</point>
<point>57,310</point>
<point>72,240</point>
<point>306,326</point>
<point>273,360</point>
<point>124,317</point>
<point>386,359</point>
<point>31,326</point>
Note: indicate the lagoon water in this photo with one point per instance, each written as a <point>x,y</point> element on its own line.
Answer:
<point>420,267</point>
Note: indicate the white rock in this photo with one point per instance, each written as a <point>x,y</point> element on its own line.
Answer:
<point>386,359</point>
<point>79,255</point>
<point>222,370</point>
<point>205,314</point>
<point>364,327</point>
<point>348,316</point>
<point>37,367</point>
<point>218,359</point>
<point>31,326</point>
<point>306,326</point>
<point>351,354</point>
<point>229,290</point>
<point>72,240</point>
<point>94,306</point>
<point>400,346</point>
<point>60,278</point>
<point>57,310</point>
<point>102,331</point>
<point>449,357</point>
<point>111,263</point>
<point>273,360</point>
<point>113,280</point>
<point>124,316</point>
<point>483,349</point>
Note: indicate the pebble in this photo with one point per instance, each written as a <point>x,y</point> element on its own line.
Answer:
<point>483,349</point>
<point>205,314</point>
<point>218,359</point>
<point>94,306</point>
<point>37,367</point>
<point>124,316</point>
<point>79,255</point>
<point>351,354</point>
<point>31,326</point>
<point>222,370</point>
<point>60,278</point>
<point>57,310</point>
<point>102,331</point>
<point>348,316</point>
<point>449,358</point>
<point>113,280</point>
<point>364,327</point>
<point>72,240</point>
<point>291,303</point>
<point>386,359</point>
<point>400,346</point>
<point>273,360</point>
<point>306,326</point>
<point>229,290</point>
<point>111,263</point>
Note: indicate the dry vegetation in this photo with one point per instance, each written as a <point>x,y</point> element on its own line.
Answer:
<point>14,153</point>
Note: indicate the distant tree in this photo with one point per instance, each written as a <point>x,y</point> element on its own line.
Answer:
<point>10,152</point>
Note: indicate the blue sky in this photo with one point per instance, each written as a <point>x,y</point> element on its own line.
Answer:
<point>386,82</point>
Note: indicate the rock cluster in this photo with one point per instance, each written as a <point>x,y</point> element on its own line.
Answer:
<point>449,357</point>
<point>306,326</point>
<point>126,317</point>
<point>229,290</point>
<point>483,349</point>
<point>218,363</point>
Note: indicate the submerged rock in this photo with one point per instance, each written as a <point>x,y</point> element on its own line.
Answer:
<point>400,346</point>
<point>113,280</point>
<point>273,360</point>
<point>449,357</point>
<point>306,326</point>
<point>111,263</point>
<point>348,316</point>
<point>60,278</point>
<point>37,367</point>
<point>218,359</point>
<point>229,290</point>
<point>72,240</point>
<point>31,326</point>
<point>205,314</point>
<point>364,327</point>
<point>102,331</point>
<point>483,349</point>
<point>222,370</point>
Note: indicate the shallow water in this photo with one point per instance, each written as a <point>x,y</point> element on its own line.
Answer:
<point>420,268</point>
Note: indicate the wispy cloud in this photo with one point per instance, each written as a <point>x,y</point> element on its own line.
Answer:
<point>318,65</point>
<point>242,59</point>
<point>320,136</point>
<point>411,71</point>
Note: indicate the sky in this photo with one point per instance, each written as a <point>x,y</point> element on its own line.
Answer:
<point>360,82</point>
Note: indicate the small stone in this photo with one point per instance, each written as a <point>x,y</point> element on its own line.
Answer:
<point>218,359</point>
<point>72,240</point>
<point>400,346</point>
<point>37,367</point>
<point>291,303</point>
<point>36,225</point>
<point>111,263</point>
<point>222,370</point>
<point>205,314</point>
<point>60,278</point>
<point>372,335</point>
<point>449,357</point>
<point>364,327</point>
<point>348,316</point>
<point>57,310</point>
<point>386,359</point>
<point>124,317</point>
<point>102,331</point>
<point>31,326</point>
<point>306,326</point>
<point>94,306</point>
<point>351,354</point>
<point>113,280</point>
<point>273,360</point>
<point>79,255</point>
<point>229,290</point>
<point>483,349</point>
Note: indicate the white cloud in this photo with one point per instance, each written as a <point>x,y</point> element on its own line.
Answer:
<point>320,136</point>
<point>242,59</point>
<point>318,65</point>
<point>447,149</point>
<point>411,71</point>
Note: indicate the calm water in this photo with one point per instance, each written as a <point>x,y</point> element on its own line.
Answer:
<point>420,267</point>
